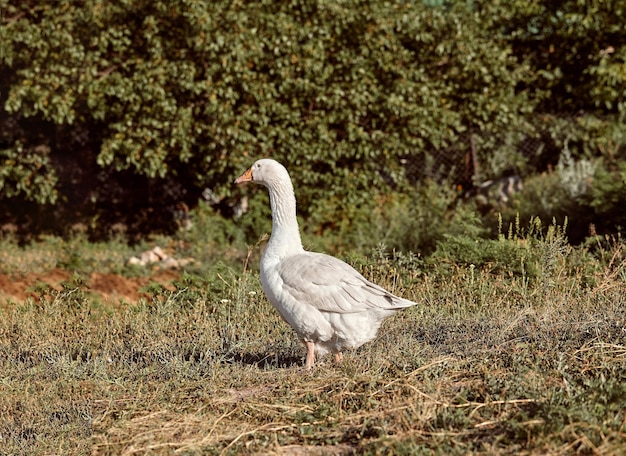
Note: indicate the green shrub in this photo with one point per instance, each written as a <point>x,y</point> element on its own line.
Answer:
<point>589,193</point>
<point>193,92</point>
<point>122,110</point>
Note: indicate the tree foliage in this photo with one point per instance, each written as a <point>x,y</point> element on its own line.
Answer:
<point>577,51</point>
<point>184,94</point>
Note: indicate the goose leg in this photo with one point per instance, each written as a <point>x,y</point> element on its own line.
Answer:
<point>338,357</point>
<point>310,355</point>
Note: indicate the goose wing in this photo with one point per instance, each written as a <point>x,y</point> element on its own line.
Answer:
<point>331,285</point>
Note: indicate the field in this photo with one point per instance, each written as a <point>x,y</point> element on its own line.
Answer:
<point>198,362</point>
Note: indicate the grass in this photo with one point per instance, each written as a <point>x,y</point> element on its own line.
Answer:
<point>487,363</point>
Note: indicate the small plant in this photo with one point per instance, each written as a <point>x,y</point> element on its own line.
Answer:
<point>576,175</point>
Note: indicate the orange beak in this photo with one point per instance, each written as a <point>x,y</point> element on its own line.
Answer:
<point>245,177</point>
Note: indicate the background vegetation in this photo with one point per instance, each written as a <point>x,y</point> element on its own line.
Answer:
<point>124,112</point>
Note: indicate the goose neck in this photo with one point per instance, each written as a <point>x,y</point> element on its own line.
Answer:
<point>284,221</point>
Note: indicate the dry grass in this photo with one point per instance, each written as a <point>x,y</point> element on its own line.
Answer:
<point>486,364</point>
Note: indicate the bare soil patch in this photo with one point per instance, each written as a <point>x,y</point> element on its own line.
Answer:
<point>108,287</point>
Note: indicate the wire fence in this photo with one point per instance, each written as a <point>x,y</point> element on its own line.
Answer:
<point>471,160</point>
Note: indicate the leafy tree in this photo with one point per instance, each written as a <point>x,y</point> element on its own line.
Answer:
<point>577,49</point>
<point>108,103</point>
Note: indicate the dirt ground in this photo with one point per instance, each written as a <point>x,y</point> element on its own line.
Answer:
<point>110,288</point>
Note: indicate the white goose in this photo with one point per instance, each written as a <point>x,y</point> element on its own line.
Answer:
<point>329,304</point>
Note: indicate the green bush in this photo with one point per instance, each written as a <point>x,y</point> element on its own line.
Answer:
<point>196,91</point>
<point>122,110</point>
<point>588,193</point>
<point>577,51</point>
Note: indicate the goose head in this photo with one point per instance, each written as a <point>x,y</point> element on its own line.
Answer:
<point>267,172</point>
